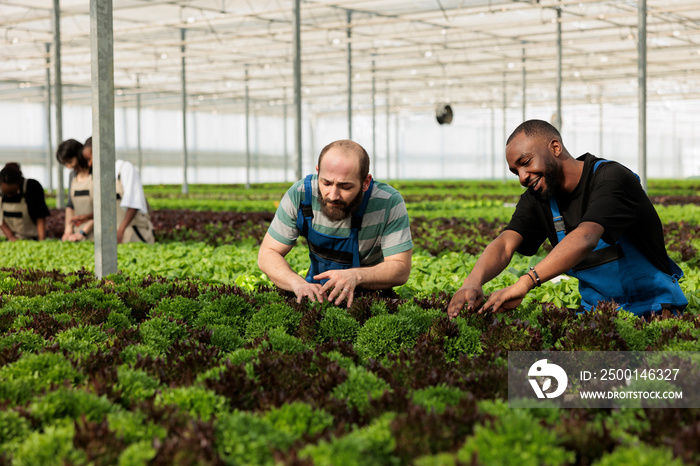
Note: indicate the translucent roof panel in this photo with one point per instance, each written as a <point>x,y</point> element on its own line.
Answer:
<point>424,52</point>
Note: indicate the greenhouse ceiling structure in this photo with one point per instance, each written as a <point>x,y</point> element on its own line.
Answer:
<point>419,53</point>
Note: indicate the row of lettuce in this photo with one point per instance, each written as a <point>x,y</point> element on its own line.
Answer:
<point>422,196</point>
<point>236,264</point>
<point>156,371</point>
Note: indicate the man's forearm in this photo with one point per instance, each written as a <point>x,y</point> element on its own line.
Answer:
<point>41,228</point>
<point>492,261</point>
<point>69,220</point>
<point>88,226</point>
<point>278,270</point>
<point>385,275</point>
<point>570,251</point>
<point>7,232</point>
<point>128,217</point>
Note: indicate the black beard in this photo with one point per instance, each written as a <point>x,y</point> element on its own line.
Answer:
<point>551,180</point>
<point>340,210</point>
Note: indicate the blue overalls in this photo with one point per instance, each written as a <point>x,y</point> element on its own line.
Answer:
<point>329,252</point>
<point>621,273</point>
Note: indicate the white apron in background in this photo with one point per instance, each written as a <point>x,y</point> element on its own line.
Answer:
<point>140,229</point>
<point>81,194</point>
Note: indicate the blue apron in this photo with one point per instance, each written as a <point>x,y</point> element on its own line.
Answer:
<point>329,252</point>
<point>620,272</point>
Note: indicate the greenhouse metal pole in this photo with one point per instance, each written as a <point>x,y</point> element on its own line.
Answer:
<point>558,120</point>
<point>524,86</point>
<point>49,136</point>
<point>139,149</point>
<point>505,128</point>
<point>58,92</point>
<point>104,179</point>
<point>284,135</point>
<point>312,130</point>
<point>600,126</point>
<point>185,186</point>
<point>642,92</point>
<point>247,131</point>
<point>678,165</point>
<point>297,86</point>
<point>349,32</point>
<point>493,142</point>
<point>388,152</point>
<point>398,165</point>
<point>374,120</point>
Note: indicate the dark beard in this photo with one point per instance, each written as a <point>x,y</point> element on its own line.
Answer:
<point>340,210</point>
<point>550,179</point>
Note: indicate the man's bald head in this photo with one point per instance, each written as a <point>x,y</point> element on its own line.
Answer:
<point>350,148</point>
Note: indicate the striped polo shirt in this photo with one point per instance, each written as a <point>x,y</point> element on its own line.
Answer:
<point>385,230</point>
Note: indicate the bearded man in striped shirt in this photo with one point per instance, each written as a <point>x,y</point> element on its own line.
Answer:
<point>357,230</point>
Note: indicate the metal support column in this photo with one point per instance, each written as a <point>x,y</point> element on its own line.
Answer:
<point>374,121</point>
<point>642,92</point>
<point>284,132</point>
<point>493,142</point>
<point>103,160</point>
<point>185,186</point>
<point>58,92</point>
<point>349,32</point>
<point>505,127</point>
<point>558,120</point>
<point>139,149</point>
<point>600,126</point>
<point>398,165</point>
<point>247,131</point>
<point>524,86</point>
<point>678,165</point>
<point>49,145</point>
<point>388,153</point>
<point>297,85</point>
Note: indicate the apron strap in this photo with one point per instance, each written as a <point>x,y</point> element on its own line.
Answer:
<point>557,218</point>
<point>306,207</point>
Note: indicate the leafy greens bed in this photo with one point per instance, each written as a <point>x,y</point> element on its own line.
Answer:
<point>157,371</point>
<point>153,366</point>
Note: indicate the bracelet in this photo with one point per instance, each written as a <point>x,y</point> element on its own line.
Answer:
<point>83,233</point>
<point>534,283</point>
<point>537,277</point>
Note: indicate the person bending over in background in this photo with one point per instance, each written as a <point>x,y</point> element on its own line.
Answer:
<point>23,209</point>
<point>133,221</point>
<point>78,224</point>
<point>357,230</point>
<point>603,227</point>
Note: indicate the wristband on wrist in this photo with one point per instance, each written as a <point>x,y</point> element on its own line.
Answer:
<point>537,277</point>
<point>534,283</point>
<point>82,232</point>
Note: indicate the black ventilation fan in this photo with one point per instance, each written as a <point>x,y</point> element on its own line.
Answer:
<point>444,114</point>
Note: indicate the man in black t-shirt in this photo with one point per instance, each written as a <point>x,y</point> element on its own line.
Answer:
<point>600,221</point>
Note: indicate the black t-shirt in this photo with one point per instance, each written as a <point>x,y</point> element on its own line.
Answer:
<point>611,197</point>
<point>36,203</point>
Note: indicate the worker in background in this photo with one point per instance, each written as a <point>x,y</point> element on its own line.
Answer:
<point>23,209</point>
<point>79,215</point>
<point>133,220</point>
<point>357,230</point>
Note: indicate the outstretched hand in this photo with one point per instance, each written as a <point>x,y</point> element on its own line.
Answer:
<point>311,291</point>
<point>340,286</point>
<point>80,219</point>
<point>506,299</point>
<point>471,297</point>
